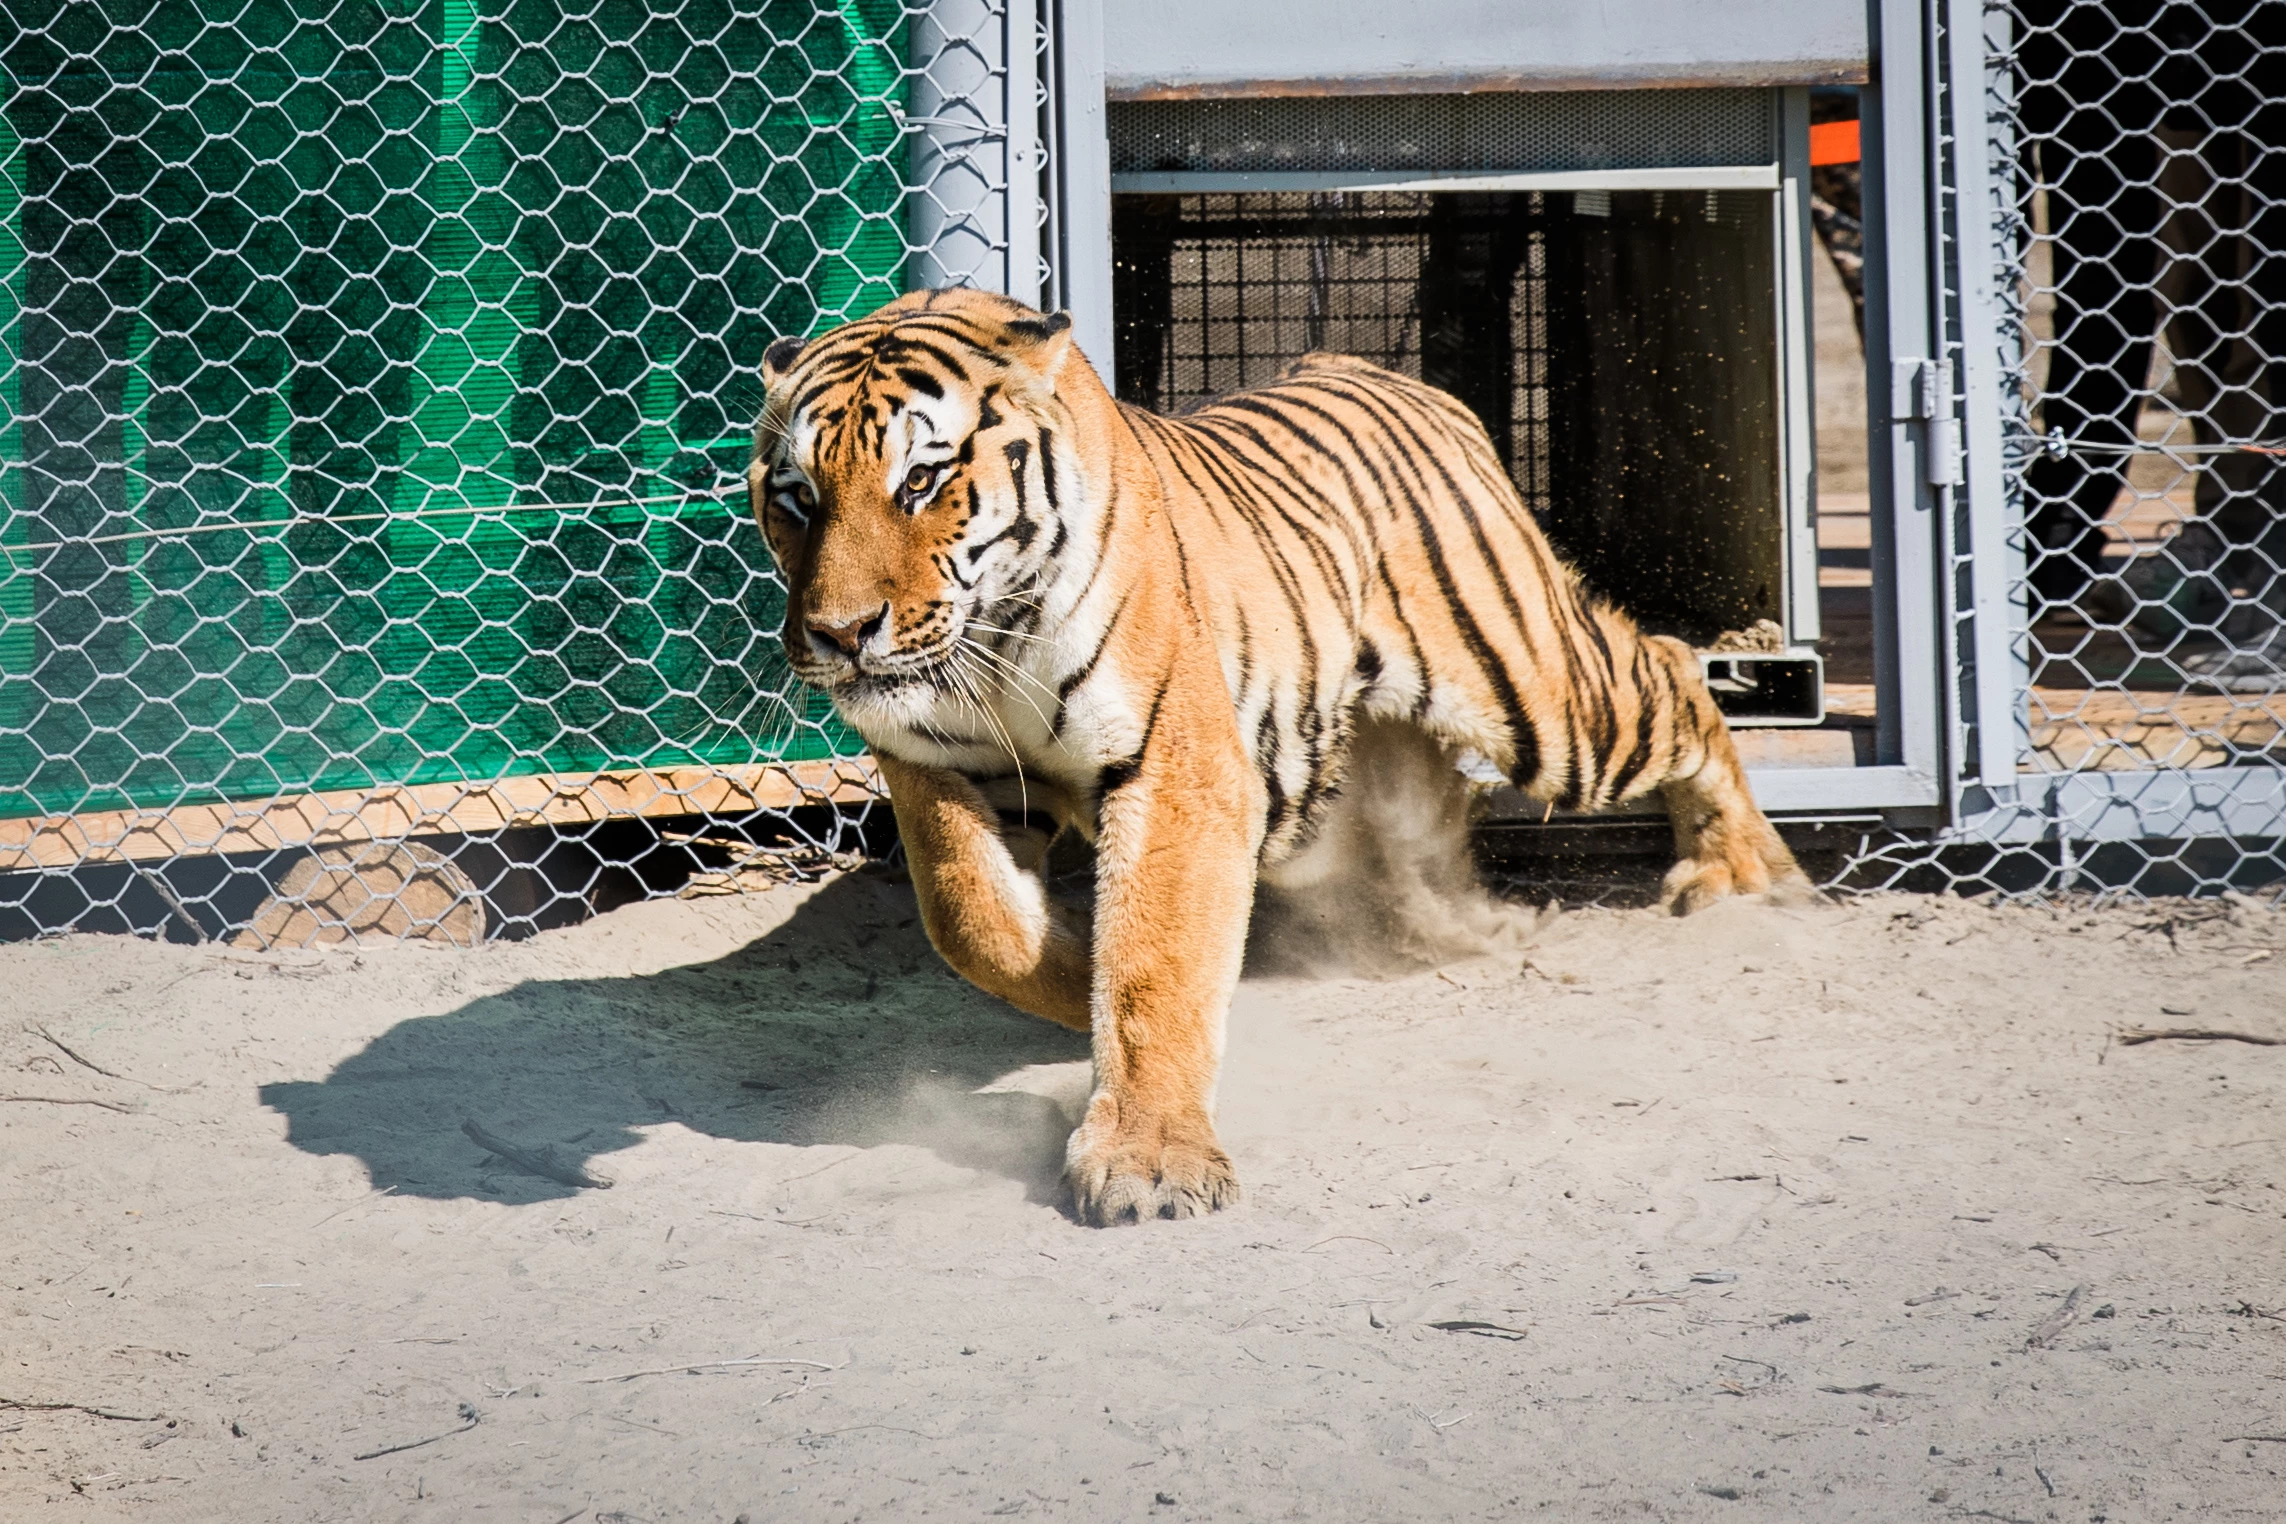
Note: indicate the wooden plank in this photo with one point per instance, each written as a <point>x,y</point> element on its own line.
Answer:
<point>346,816</point>
<point>2074,730</point>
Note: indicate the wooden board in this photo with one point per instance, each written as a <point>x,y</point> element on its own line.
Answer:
<point>430,809</point>
<point>2107,730</point>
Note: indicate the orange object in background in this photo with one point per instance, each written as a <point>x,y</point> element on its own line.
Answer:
<point>1833,143</point>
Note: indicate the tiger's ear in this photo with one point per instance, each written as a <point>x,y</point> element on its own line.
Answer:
<point>1045,342</point>
<point>779,358</point>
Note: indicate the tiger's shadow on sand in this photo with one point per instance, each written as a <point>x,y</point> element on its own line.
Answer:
<point>841,1027</point>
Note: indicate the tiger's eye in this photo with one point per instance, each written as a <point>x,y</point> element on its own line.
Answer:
<point>804,496</point>
<point>918,479</point>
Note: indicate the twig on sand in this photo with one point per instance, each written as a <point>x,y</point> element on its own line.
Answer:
<point>1355,1238</point>
<point>2255,1439</point>
<point>19,1405</point>
<point>88,1063</point>
<point>707,1365</point>
<point>543,1163</point>
<point>1438,1421</point>
<point>1870,1389</point>
<point>2128,1037</point>
<point>68,1100</point>
<point>469,1417</point>
<point>2059,1320</point>
<point>808,1435</point>
<point>387,1190</point>
<point>1479,1326</point>
<point>854,1153</point>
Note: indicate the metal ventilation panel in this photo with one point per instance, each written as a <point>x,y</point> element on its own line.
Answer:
<point>1544,132</point>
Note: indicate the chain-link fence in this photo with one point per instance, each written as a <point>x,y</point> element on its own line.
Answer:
<point>375,385</point>
<point>374,382</point>
<point>2108,223</point>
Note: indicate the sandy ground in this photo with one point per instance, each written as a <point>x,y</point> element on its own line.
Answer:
<point>1837,1213</point>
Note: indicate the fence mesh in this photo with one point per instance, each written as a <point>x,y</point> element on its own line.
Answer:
<point>374,382</point>
<point>2137,164</point>
<point>372,379</point>
<point>2154,179</point>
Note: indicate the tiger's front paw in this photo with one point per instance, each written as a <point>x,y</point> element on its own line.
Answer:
<point>1128,1165</point>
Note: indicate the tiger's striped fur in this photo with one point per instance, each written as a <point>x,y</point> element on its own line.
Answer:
<point>1038,604</point>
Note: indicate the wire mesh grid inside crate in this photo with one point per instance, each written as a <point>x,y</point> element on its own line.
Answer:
<point>374,385</point>
<point>1243,284</point>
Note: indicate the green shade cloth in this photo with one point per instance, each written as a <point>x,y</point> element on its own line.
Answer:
<point>388,272</point>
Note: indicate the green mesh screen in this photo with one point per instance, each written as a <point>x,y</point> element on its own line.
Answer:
<point>438,323</point>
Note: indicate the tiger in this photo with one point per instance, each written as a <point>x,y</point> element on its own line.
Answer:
<point>1045,610</point>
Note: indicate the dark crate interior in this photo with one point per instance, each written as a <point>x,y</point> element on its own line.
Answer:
<point>1620,347</point>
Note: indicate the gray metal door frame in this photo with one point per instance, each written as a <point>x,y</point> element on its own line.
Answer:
<point>1009,149</point>
<point>1942,245</point>
<point>1948,435</point>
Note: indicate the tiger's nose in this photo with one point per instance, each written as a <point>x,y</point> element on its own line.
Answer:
<point>849,638</point>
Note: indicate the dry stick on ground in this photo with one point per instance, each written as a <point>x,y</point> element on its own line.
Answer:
<point>705,1365</point>
<point>1870,1389</point>
<point>467,1412</point>
<point>68,1100</point>
<point>2061,1319</point>
<point>387,1190</point>
<point>14,1404</point>
<point>2128,1037</point>
<point>1479,1326</point>
<point>543,1163</point>
<point>1355,1238</point>
<point>2255,1439</point>
<point>88,1063</point>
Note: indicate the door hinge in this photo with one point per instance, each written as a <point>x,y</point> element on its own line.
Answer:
<point>1922,390</point>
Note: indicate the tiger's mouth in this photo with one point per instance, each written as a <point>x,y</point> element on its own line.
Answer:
<point>871,673</point>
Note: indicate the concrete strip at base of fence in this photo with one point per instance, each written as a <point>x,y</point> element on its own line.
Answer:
<point>351,817</point>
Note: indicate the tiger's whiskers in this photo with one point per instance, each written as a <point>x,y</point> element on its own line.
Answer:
<point>971,690</point>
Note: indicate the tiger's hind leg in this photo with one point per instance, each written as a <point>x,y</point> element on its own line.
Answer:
<point>1389,882</point>
<point>1724,844</point>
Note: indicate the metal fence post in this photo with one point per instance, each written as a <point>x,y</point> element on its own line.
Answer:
<point>1984,149</point>
<point>1908,659</point>
<point>958,218</point>
<point>1079,162</point>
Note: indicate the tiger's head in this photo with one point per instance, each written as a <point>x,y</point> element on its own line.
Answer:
<point>905,475</point>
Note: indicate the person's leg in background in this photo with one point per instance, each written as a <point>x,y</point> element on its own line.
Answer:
<point>2087,113</point>
<point>2229,326</point>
